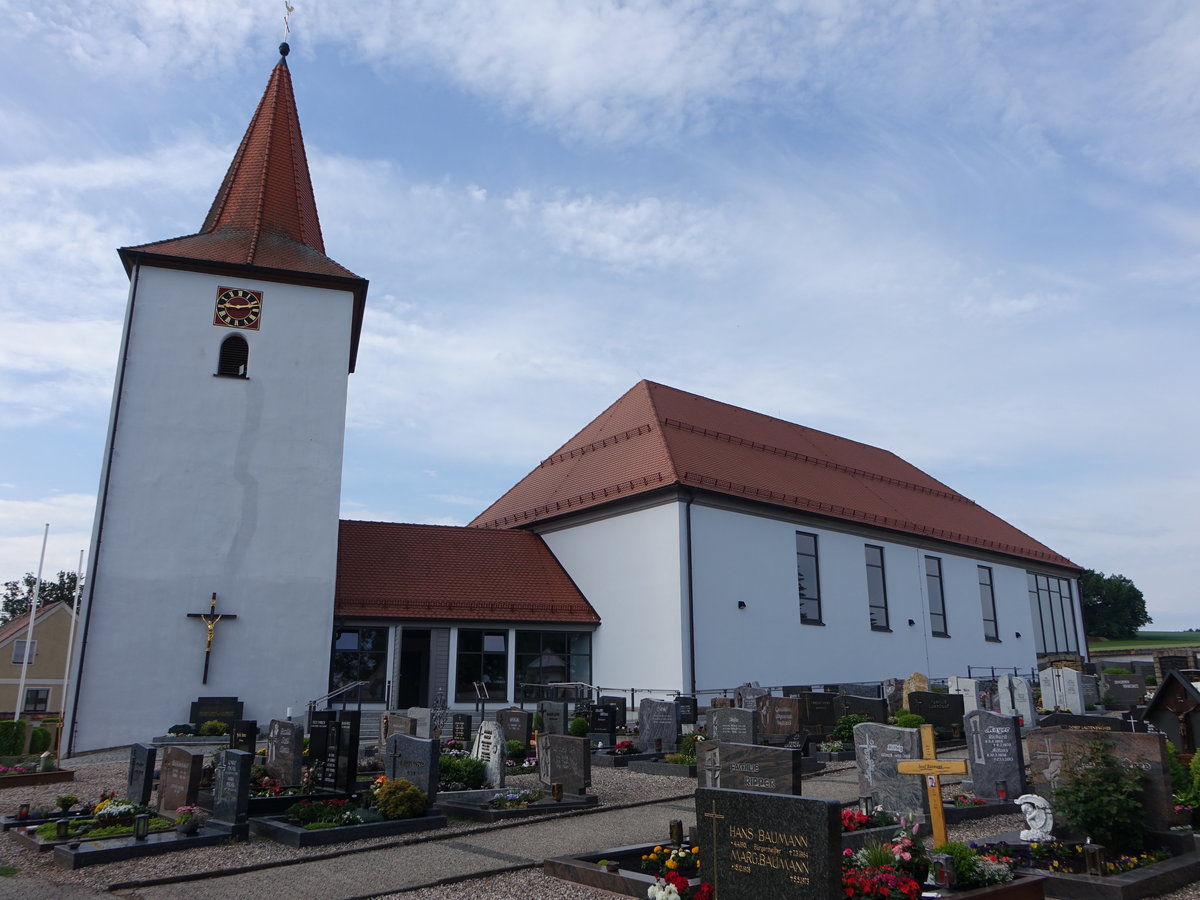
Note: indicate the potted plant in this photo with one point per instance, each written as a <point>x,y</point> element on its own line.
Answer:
<point>65,802</point>
<point>189,820</point>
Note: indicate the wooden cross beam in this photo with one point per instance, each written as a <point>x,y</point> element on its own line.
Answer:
<point>210,619</point>
<point>933,768</point>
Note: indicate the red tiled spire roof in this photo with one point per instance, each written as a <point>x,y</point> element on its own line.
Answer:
<point>656,436</point>
<point>390,570</point>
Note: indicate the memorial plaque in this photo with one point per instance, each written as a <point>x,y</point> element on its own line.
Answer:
<point>745,767</point>
<point>215,709</point>
<point>554,716</point>
<point>140,783</point>
<point>1054,753</point>
<point>516,724</point>
<point>778,715</point>
<point>285,751</point>
<point>602,724</point>
<point>732,726</point>
<point>179,780</point>
<point>489,747</point>
<point>565,760</point>
<point>413,759</point>
<point>754,845</point>
<point>877,749</point>
<point>658,721</point>
<point>619,705</point>
<point>994,754</point>
<point>460,728</point>
<point>243,735</point>
<point>942,711</point>
<point>687,710</point>
<point>231,787</point>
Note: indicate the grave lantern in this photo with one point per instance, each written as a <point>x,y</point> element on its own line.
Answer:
<point>141,826</point>
<point>556,791</point>
<point>865,805</point>
<point>941,871</point>
<point>23,810</point>
<point>676,832</point>
<point>61,829</point>
<point>1002,790</point>
<point>1093,859</point>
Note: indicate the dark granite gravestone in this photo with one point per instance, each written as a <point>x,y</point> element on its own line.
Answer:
<point>658,726</point>
<point>554,716</point>
<point>747,695</point>
<point>1091,690</point>
<point>877,749</point>
<point>602,724</point>
<point>875,709</point>
<point>489,747</point>
<point>460,728</point>
<point>516,724</point>
<point>943,711</point>
<point>619,705</point>
<point>795,690</point>
<point>754,845</point>
<point>215,709</point>
<point>243,735</point>
<point>721,703</point>
<point>732,726</point>
<point>819,713</point>
<point>778,715</point>
<point>1171,662</point>
<point>397,723</point>
<point>140,783</point>
<point>746,767</point>
<point>231,787</point>
<point>285,751</point>
<point>1122,691</point>
<point>1082,723</point>
<point>687,710</point>
<point>333,749</point>
<point>179,781</point>
<point>565,760</point>
<point>994,754</point>
<point>413,759</point>
<point>1054,752</point>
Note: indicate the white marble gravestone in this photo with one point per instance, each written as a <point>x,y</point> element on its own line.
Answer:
<point>489,747</point>
<point>968,689</point>
<point>1016,699</point>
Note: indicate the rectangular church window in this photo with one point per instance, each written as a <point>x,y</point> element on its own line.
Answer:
<point>937,597</point>
<point>987,597</point>
<point>807,578</point>
<point>482,657</point>
<point>876,588</point>
<point>546,657</point>
<point>360,654</point>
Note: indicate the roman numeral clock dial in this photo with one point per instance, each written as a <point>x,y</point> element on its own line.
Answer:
<point>238,308</point>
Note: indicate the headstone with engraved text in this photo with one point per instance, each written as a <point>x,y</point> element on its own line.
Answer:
<point>877,749</point>
<point>140,783</point>
<point>413,759</point>
<point>994,755</point>
<point>732,726</point>
<point>285,751</point>
<point>489,747</point>
<point>565,760</point>
<point>179,781</point>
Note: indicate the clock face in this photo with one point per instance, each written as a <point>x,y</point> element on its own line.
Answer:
<point>238,308</point>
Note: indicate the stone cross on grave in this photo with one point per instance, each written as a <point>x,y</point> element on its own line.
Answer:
<point>713,816</point>
<point>933,768</point>
<point>210,619</point>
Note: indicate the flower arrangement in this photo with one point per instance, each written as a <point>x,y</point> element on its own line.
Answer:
<point>904,852</point>
<point>17,770</point>
<point>116,809</point>
<point>314,814</point>
<point>964,800</point>
<point>1063,857</point>
<point>675,887</point>
<point>682,860</point>
<point>882,882</point>
<point>624,748</point>
<point>856,819</point>
<point>515,800</point>
<point>830,746</point>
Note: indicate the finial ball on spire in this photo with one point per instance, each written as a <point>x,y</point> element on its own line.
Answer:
<point>284,49</point>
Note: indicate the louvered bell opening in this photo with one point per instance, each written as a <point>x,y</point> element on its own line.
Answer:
<point>235,354</point>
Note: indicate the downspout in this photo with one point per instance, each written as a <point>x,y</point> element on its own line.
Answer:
<point>691,595</point>
<point>103,504</point>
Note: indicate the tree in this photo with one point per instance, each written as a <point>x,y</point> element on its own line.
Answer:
<point>17,594</point>
<point>1112,604</point>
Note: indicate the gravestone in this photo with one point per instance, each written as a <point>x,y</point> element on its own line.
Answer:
<point>489,747</point>
<point>140,783</point>
<point>414,759</point>
<point>243,735</point>
<point>516,724</point>
<point>795,690</point>
<point>460,728</point>
<point>619,705</point>
<point>333,749</point>
<point>554,716</point>
<point>602,725</point>
<point>179,780</point>
<point>1062,689</point>
<point>747,695</point>
<point>424,717</point>
<point>687,710</point>
<point>1083,723</point>
<point>819,712</point>
<point>1016,699</point>
<point>1122,691</point>
<point>396,723</point>
<point>754,846</point>
<point>914,682</point>
<point>721,703</point>
<point>658,720</point>
<point>1170,662</point>
<point>231,787</point>
<point>1053,753</point>
<point>1091,690</point>
<point>215,709</point>
<point>995,756</point>
<point>968,689</point>
<point>747,767</point>
<point>285,751</point>
<point>893,693</point>
<point>1175,711</point>
<point>943,711</point>
<point>732,726</point>
<point>875,709</point>
<point>778,715</point>
<point>877,750</point>
<point>565,760</point>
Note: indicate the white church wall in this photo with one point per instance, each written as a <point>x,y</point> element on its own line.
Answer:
<point>749,558</point>
<point>217,484</point>
<point>629,568</point>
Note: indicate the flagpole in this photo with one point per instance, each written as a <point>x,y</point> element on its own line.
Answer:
<point>33,606</point>
<point>71,634</point>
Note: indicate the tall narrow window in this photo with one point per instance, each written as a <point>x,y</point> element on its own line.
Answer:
<point>876,588</point>
<point>987,597</point>
<point>1053,608</point>
<point>482,658</point>
<point>937,599</point>
<point>235,355</point>
<point>807,578</point>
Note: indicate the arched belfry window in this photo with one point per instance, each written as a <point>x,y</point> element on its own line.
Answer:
<point>235,354</point>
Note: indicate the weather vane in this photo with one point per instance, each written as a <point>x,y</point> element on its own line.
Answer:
<point>286,29</point>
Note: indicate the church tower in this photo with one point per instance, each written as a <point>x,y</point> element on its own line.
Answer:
<point>221,479</point>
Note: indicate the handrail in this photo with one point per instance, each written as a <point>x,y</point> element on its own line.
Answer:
<point>312,704</point>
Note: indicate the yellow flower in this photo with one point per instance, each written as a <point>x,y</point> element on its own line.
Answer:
<point>658,849</point>
<point>671,864</point>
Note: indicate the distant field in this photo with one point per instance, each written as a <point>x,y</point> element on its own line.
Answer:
<point>1149,640</point>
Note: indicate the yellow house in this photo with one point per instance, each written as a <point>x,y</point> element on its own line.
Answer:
<point>46,664</point>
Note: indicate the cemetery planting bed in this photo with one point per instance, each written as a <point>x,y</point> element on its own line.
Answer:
<point>652,767</point>
<point>274,806</point>
<point>628,880</point>
<point>36,778</point>
<point>108,850</point>
<point>480,812</point>
<point>620,761</point>
<point>7,823</point>
<point>283,832</point>
<point>30,840</point>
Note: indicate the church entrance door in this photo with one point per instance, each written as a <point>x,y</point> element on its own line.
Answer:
<point>413,686</point>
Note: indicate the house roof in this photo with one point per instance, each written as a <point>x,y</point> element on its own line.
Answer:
<point>440,572</point>
<point>264,215</point>
<point>656,436</point>
<point>16,628</point>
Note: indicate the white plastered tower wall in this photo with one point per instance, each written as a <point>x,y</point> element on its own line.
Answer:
<point>214,484</point>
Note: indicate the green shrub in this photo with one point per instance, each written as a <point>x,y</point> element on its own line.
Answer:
<point>578,727</point>
<point>687,744</point>
<point>1101,796</point>
<point>538,722</point>
<point>214,728</point>
<point>1118,670</point>
<point>1181,778</point>
<point>461,773</point>
<point>39,740</point>
<point>844,730</point>
<point>906,719</point>
<point>185,728</point>
<point>12,737</point>
<point>400,799</point>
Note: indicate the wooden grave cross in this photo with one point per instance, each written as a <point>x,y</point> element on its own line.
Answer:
<point>933,768</point>
<point>210,619</point>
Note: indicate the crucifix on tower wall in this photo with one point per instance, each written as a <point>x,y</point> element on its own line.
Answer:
<point>210,620</point>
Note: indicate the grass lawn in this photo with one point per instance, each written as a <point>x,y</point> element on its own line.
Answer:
<point>1149,640</point>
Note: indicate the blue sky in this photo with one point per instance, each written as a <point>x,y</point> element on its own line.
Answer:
<point>967,232</point>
